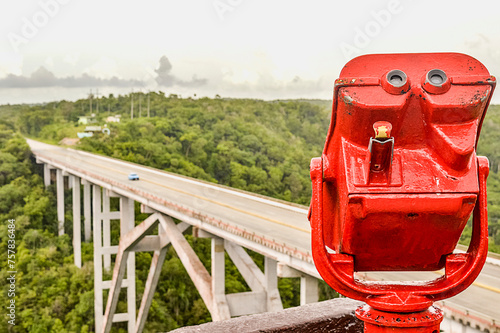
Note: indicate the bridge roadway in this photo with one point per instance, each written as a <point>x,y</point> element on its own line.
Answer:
<point>257,222</point>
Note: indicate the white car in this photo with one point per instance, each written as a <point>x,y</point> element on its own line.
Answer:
<point>133,176</point>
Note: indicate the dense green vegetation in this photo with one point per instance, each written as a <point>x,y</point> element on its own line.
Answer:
<point>489,146</point>
<point>53,294</point>
<point>49,288</point>
<point>264,147</point>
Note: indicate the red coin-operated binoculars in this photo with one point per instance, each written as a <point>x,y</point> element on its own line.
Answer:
<point>397,182</point>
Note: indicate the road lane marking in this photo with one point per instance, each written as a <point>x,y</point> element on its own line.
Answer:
<point>253,196</point>
<point>477,284</point>
<point>232,207</point>
<point>205,199</point>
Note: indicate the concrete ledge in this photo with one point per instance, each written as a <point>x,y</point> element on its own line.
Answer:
<point>334,316</point>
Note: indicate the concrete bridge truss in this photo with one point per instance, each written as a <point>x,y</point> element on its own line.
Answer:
<point>97,216</point>
<point>97,180</point>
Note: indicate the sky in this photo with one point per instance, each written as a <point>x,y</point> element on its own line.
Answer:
<point>282,49</point>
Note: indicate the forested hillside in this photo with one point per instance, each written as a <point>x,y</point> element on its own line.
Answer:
<point>489,146</point>
<point>51,293</point>
<point>55,296</point>
<point>263,147</point>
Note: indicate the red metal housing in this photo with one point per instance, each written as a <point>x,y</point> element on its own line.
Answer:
<point>399,177</point>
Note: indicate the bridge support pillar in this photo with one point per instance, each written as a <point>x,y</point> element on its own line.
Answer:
<point>103,249</point>
<point>264,295</point>
<point>219,279</point>
<point>98,286</point>
<point>46,175</point>
<point>77,215</point>
<point>60,201</point>
<point>87,218</point>
<point>106,228</point>
<point>273,295</point>
<point>308,283</point>
<point>127,224</point>
<point>308,289</point>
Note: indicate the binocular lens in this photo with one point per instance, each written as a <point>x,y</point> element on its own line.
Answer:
<point>436,77</point>
<point>397,78</point>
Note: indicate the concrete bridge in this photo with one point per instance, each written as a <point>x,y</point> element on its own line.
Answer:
<point>232,219</point>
